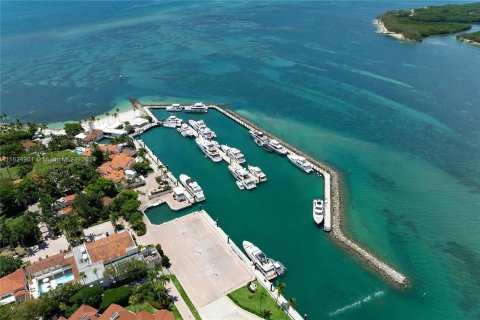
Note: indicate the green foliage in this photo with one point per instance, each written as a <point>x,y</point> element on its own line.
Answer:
<point>10,200</point>
<point>136,221</point>
<point>166,262</point>
<point>9,264</point>
<point>118,295</point>
<point>72,129</point>
<point>90,295</point>
<point>61,142</point>
<point>471,37</point>
<point>152,292</point>
<point>185,297</point>
<point>89,207</point>
<point>11,150</point>
<point>124,139</point>
<point>431,20</point>
<point>102,186</point>
<point>260,303</point>
<point>22,230</point>
<point>136,308</point>
<point>142,167</point>
<point>149,118</point>
<point>15,135</point>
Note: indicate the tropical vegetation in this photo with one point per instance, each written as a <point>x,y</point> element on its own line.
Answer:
<point>417,24</point>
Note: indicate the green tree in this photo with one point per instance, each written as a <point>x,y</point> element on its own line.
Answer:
<point>72,129</point>
<point>118,295</point>
<point>90,295</point>
<point>9,264</point>
<point>262,296</point>
<point>105,187</point>
<point>281,286</point>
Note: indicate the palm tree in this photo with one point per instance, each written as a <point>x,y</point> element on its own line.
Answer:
<point>164,278</point>
<point>281,286</point>
<point>95,270</point>
<point>292,302</point>
<point>82,276</point>
<point>262,296</point>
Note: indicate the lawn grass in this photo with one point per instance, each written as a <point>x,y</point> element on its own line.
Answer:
<point>251,302</point>
<point>185,297</point>
<point>176,313</point>
<point>136,308</point>
<point>13,172</point>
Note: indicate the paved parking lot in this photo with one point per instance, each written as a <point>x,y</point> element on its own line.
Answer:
<point>206,267</point>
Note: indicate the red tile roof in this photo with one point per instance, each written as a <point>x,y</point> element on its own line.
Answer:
<point>106,201</point>
<point>13,282</point>
<point>28,144</point>
<point>57,260</point>
<point>110,248</point>
<point>82,311</point>
<point>115,308</point>
<point>70,197</point>
<point>92,136</point>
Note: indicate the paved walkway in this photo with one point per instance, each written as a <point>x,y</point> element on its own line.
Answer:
<point>179,302</point>
<point>224,308</point>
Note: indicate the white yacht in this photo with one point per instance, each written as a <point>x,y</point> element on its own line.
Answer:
<point>186,131</point>
<point>260,259</point>
<point>192,187</point>
<point>277,147</point>
<point>174,108</point>
<point>318,211</point>
<point>257,173</point>
<point>197,107</point>
<point>202,129</point>
<point>242,175</point>
<point>209,148</point>
<point>233,153</point>
<point>172,122</point>
<point>259,137</point>
<point>300,162</point>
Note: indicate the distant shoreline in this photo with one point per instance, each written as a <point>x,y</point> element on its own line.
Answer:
<point>382,29</point>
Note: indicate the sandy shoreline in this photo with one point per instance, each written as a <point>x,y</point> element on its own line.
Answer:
<point>382,29</point>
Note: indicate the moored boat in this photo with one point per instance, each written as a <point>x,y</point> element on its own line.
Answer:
<point>233,153</point>
<point>197,108</point>
<point>192,187</point>
<point>257,173</point>
<point>260,259</point>
<point>209,148</point>
<point>277,147</point>
<point>174,108</point>
<point>242,175</point>
<point>300,162</point>
<point>318,209</point>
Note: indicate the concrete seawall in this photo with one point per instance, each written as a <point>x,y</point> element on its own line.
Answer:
<point>333,204</point>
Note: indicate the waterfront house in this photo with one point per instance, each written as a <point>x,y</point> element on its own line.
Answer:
<point>114,133</point>
<point>13,287</point>
<point>117,312</point>
<point>115,168</point>
<point>94,136</point>
<point>139,122</point>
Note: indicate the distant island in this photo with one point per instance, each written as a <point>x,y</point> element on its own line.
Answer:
<point>415,24</point>
<point>472,37</point>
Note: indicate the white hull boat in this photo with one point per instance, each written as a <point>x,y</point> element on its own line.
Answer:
<point>277,147</point>
<point>242,175</point>
<point>192,187</point>
<point>233,153</point>
<point>318,209</point>
<point>257,173</point>
<point>261,261</point>
<point>209,148</point>
<point>300,162</point>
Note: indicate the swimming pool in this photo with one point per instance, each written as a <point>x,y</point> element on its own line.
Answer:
<point>60,278</point>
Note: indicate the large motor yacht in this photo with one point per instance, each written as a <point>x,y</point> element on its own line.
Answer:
<point>242,175</point>
<point>318,211</point>
<point>257,173</point>
<point>192,187</point>
<point>233,153</point>
<point>174,108</point>
<point>260,259</point>
<point>209,148</point>
<point>300,162</point>
<point>277,147</point>
<point>196,108</point>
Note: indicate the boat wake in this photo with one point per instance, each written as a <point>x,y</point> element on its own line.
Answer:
<point>358,303</point>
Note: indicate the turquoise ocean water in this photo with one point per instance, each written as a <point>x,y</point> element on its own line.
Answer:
<point>400,121</point>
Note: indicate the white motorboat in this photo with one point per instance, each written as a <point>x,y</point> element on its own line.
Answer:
<point>259,137</point>
<point>242,175</point>
<point>318,211</point>
<point>233,153</point>
<point>197,108</point>
<point>260,259</point>
<point>174,108</point>
<point>209,148</point>
<point>257,173</point>
<point>172,122</point>
<point>300,162</point>
<point>202,129</point>
<point>192,187</point>
<point>277,147</point>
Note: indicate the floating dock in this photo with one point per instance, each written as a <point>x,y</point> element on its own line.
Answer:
<point>334,210</point>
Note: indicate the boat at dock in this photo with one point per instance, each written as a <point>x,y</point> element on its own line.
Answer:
<point>318,210</point>
<point>277,147</point>
<point>186,131</point>
<point>198,107</point>
<point>257,173</point>
<point>269,267</point>
<point>243,176</point>
<point>174,108</point>
<point>202,129</point>
<point>172,122</point>
<point>192,187</point>
<point>300,162</point>
<point>259,137</point>
<point>209,148</point>
<point>233,153</point>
